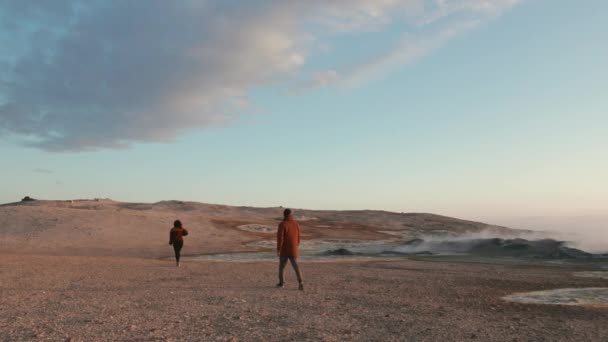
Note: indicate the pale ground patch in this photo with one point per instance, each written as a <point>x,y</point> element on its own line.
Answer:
<point>323,244</point>
<point>592,274</point>
<point>306,218</point>
<point>581,296</point>
<point>403,234</point>
<point>258,228</point>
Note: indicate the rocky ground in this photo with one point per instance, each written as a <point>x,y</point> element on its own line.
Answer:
<point>76,298</point>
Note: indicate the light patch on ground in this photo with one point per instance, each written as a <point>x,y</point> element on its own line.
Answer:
<point>258,228</point>
<point>404,234</point>
<point>306,218</point>
<point>595,296</point>
<point>589,274</point>
<point>417,233</point>
<point>322,244</point>
<point>272,257</point>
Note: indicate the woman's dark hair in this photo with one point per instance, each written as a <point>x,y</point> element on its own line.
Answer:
<point>286,212</point>
<point>177,224</point>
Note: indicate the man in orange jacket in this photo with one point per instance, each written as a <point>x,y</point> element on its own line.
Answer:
<point>288,242</point>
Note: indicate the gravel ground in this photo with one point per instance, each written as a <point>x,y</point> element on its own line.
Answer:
<point>58,298</point>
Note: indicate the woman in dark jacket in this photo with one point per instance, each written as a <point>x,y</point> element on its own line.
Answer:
<point>176,238</point>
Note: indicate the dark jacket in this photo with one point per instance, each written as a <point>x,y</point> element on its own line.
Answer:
<point>176,234</point>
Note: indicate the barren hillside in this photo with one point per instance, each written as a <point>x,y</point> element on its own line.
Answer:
<point>106,227</point>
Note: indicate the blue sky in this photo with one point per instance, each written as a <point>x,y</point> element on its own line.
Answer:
<point>470,108</point>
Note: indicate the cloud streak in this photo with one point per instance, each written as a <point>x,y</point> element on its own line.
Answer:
<point>81,75</point>
<point>43,171</point>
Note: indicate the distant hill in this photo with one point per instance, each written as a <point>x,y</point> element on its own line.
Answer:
<point>106,227</point>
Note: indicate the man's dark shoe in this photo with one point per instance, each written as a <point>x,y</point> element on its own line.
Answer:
<point>280,285</point>
<point>301,287</point>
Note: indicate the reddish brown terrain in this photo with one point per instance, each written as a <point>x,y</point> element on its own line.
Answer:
<point>102,271</point>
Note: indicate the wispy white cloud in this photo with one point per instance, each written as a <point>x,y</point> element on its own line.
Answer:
<point>436,23</point>
<point>316,80</point>
<point>81,74</point>
<point>409,49</point>
<point>441,9</point>
<point>43,170</point>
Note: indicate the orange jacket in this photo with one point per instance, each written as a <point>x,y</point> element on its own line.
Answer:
<point>288,238</point>
<point>176,234</point>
